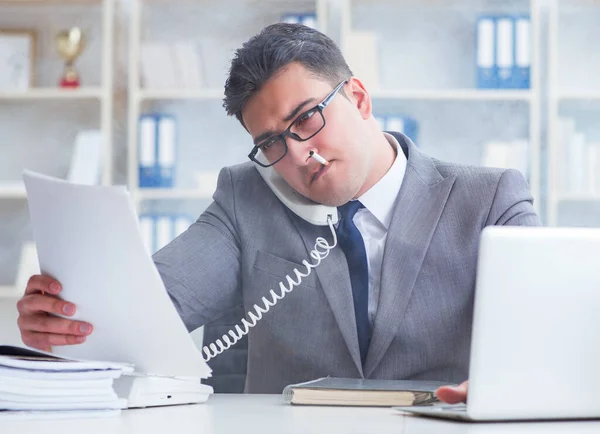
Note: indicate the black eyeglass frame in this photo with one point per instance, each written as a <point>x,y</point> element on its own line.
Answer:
<point>288,133</point>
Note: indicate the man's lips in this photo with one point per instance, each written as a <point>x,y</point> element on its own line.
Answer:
<point>320,171</point>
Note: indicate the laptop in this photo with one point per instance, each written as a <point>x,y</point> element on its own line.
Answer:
<point>535,348</point>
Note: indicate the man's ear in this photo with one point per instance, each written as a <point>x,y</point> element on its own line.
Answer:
<point>359,96</point>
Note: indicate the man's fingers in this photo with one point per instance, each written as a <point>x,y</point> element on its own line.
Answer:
<point>453,394</point>
<point>46,340</point>
<point>44,303</point>
<point>52,324</point>
<point>39,283</point>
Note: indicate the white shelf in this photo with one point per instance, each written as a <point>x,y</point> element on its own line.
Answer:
<point>12,191</point>
<point>170,193</point>
<point>456,94</point>
<point>49,2</point>
<point>580,96</point>
<point>53,94</point>
<point>578,197</point>
<point>180,94</point>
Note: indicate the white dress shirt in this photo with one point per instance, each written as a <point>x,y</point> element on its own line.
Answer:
<point>373,221</point>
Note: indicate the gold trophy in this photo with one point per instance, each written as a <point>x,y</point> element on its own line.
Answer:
<point>70,43</point>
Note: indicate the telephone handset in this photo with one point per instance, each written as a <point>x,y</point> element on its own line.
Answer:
<point>314,213</point>
<point>310,211</point>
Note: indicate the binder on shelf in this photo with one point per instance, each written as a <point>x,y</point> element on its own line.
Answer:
<point>309,20</point>
<point>402,124</point>
<point>522,65</point>
<point>164,231</point>
<point>593,158</point>
<point>566,131</point>
<point>290,18</point>
<point>181,224</point>
<point>147,231</point>
<point>486,53</point>
<point>167,137</point>
<point>577,164</point>
<point>86,162</point>
<point>505,56</point>
<point>187,63</point>
<point>361,51</point>
<point>158,66</point>
<point>507,155</point>
<point>159,229</point>
<point>147,144</point>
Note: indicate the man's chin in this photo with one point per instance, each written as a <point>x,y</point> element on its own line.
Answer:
<point>330,198</point>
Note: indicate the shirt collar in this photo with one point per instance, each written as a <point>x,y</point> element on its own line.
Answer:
<point>380,198</point>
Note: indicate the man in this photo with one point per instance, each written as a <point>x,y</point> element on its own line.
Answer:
<point>394,300</point>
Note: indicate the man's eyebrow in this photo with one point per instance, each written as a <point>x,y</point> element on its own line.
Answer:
<point>288,118</point>
<point>294,112</point>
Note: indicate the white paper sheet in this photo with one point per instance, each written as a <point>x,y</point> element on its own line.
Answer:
<point>88,238</point>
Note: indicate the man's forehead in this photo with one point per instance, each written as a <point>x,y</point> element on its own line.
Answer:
<point>280,95</point>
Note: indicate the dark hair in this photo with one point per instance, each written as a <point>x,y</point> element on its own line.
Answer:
<point>276,46</point>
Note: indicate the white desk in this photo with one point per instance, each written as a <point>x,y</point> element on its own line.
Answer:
<point>268,414</point>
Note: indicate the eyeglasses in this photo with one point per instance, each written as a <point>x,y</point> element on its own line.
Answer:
<point>303,128</point>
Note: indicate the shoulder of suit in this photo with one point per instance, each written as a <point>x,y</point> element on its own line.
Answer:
<point>243,172</point>
<point>468,172</point>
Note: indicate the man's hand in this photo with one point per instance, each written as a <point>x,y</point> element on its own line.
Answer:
<point>453,394</point>
<point>39,328</point>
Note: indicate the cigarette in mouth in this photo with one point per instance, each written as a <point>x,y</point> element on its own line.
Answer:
<point>320,159</point>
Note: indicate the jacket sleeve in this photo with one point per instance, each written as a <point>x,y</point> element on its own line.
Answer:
<point>513,203</point>
<point>201,267</point>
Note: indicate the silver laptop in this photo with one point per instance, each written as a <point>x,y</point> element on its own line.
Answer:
<point>535,349</point>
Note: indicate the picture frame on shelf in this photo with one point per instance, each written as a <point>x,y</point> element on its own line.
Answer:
<point>17,59</point>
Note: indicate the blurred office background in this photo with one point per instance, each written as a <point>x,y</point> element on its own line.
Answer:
<point>507,83</point>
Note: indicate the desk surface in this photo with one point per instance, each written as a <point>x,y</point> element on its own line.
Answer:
<point>268,414</point>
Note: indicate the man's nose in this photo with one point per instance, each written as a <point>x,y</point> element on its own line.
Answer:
<point>300,150</point>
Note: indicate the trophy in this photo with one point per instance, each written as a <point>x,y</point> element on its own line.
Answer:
<point>70,43</point>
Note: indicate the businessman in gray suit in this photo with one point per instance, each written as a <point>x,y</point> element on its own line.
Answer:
<point>393,299</point>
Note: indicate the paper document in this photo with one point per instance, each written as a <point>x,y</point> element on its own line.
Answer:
<point>88,238</point>
<point>19,391</point>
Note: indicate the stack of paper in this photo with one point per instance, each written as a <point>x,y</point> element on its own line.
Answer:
<point>35,381</point>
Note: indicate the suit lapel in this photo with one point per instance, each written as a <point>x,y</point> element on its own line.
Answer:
<point>335,280</point>
<point>418,207</point>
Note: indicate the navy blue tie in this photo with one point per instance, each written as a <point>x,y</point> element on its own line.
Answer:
<point>353,245</point>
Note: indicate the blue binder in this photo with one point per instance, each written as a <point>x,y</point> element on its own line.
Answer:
<point>522,64</point>
<point>403,124</point>
<point>486,53</point>
<point>166,150</point>
<point>309,20</point>
<point>505,51</point>
<point>147,151</point>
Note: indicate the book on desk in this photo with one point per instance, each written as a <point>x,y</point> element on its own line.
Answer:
<point>362,392</point>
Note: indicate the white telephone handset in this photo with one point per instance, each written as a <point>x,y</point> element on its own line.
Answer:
<point>310,211</point>
<point>313,213</point>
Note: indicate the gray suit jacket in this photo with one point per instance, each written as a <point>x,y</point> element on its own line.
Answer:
<point>247,241</point>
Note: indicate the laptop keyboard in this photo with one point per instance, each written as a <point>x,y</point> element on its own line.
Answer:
<point>456,407</point>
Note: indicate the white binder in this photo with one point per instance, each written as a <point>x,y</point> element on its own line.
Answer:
<point>147,151</point>
<point>505,51</point>
<point>167,136</point>
<point>486,62</point>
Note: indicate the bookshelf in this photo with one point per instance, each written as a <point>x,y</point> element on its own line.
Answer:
<point>183,100</point>
<point>40,123</point>
<point>454,95</point>
<point>53,94</point>
<point>573,113</point>
<point>424,73</point>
